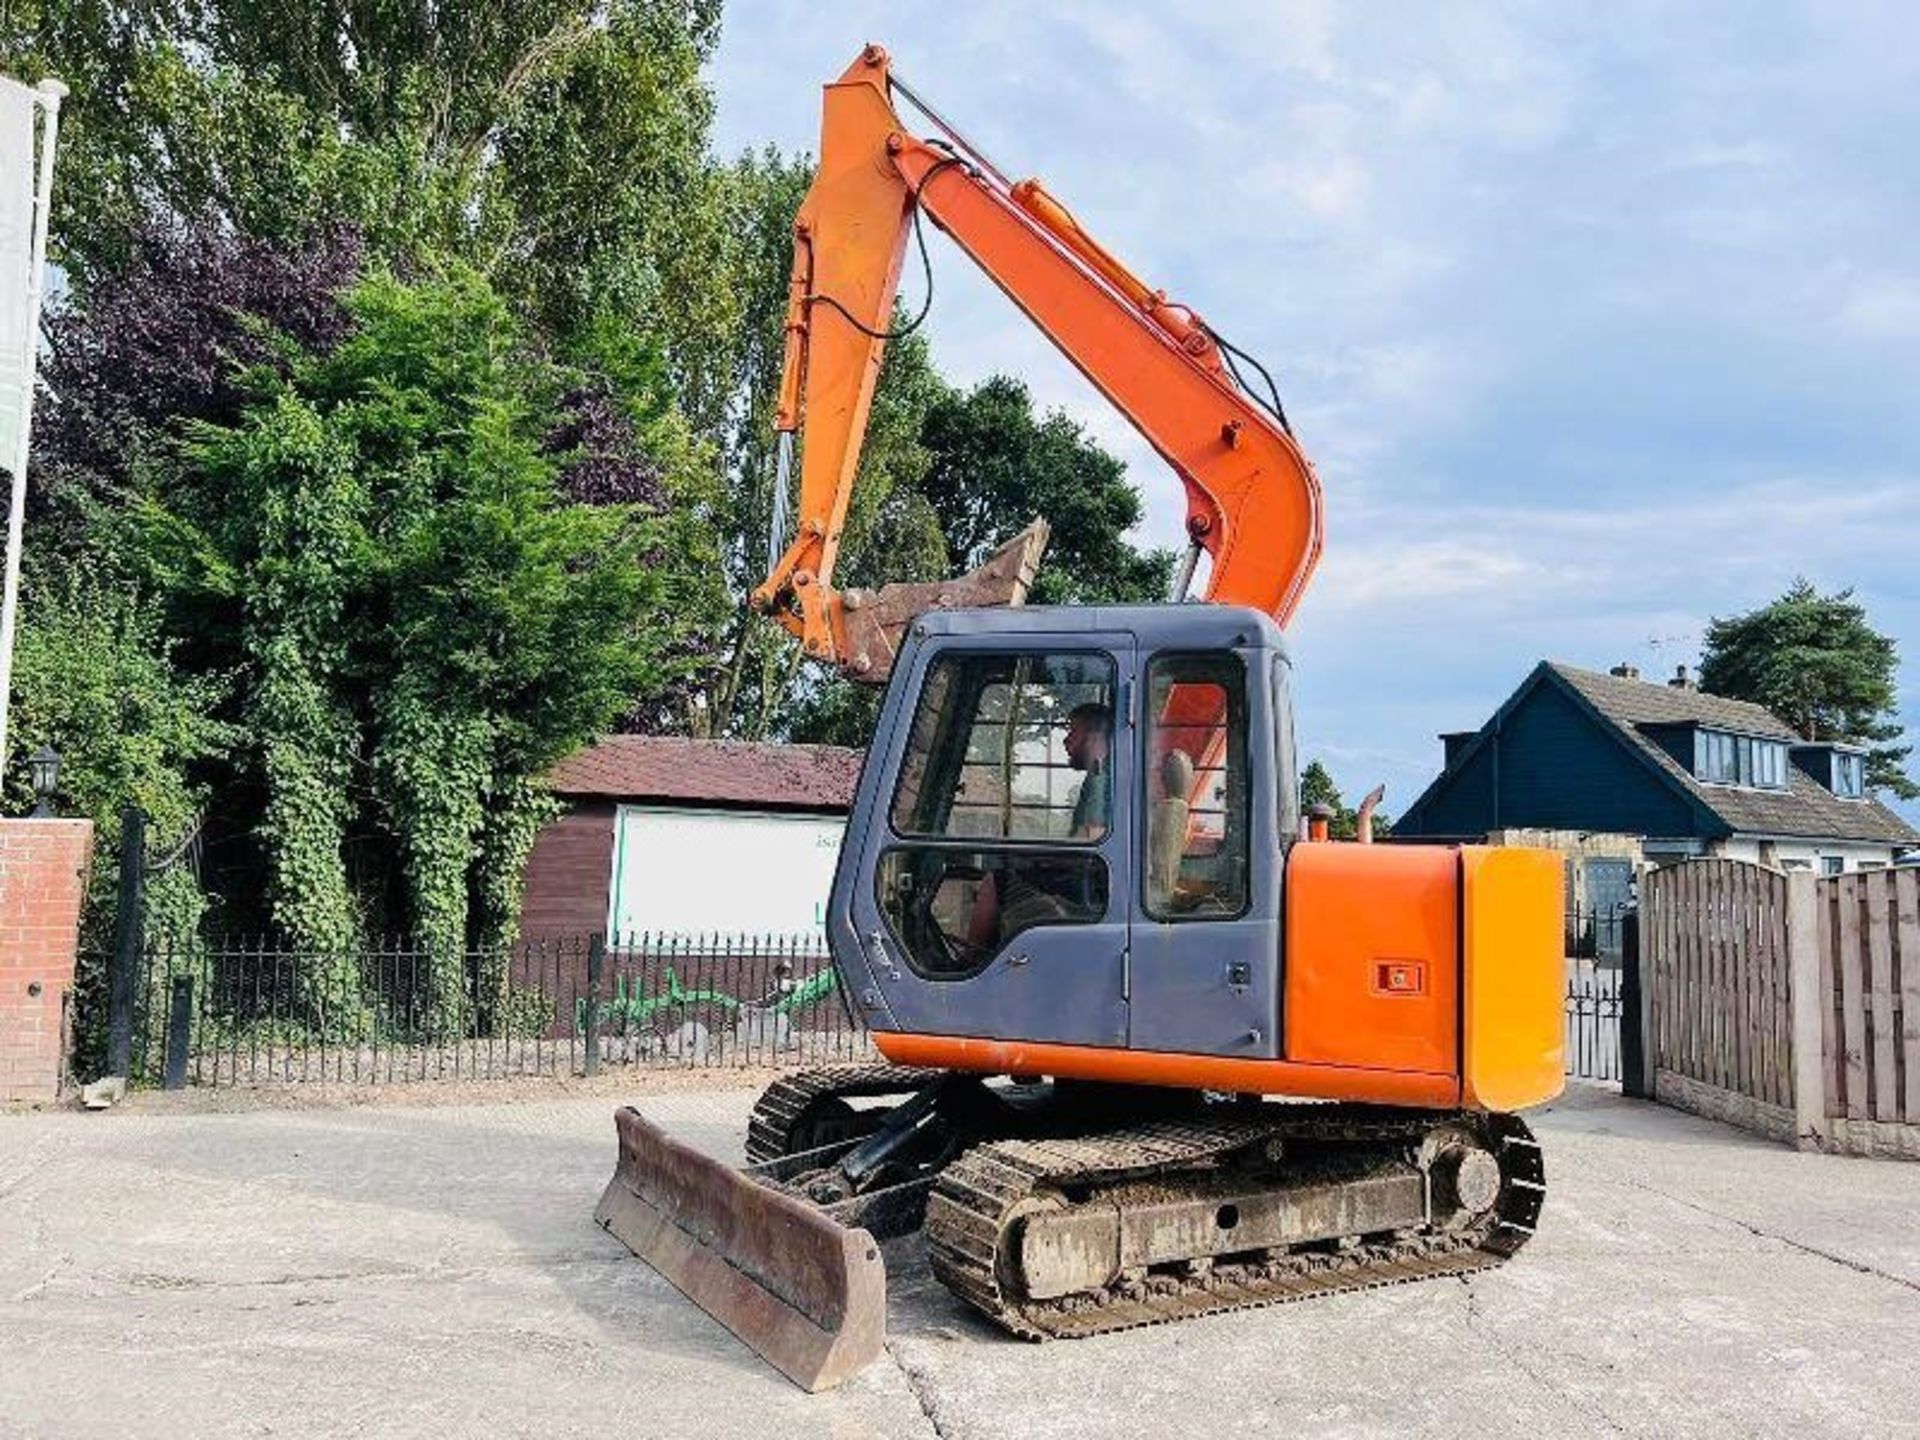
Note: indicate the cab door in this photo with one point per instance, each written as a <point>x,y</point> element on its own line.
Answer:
<point>997,863</point>
<point>1204,973</point>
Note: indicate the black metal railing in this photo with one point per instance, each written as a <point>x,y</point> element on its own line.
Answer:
<point>1596,933</point>
<point>1598,939</point>
<point>237,1011</point>
<point>252,1011</point>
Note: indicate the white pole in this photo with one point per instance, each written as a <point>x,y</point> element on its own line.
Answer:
<point>51,93</point>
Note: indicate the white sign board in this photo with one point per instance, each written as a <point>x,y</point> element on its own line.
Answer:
<point>29,125</point>
<point>706,872</point>
<point>19,146</point>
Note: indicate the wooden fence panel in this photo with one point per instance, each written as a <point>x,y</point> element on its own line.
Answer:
<point>1781,1003</point>
<point>1716,938</point>
<point>1765,1002</point>
<point>1713,902</point>
<point>1675,1033</point>
<point>1726,908</point>
<point>1746,945</point>
<point>1832,1064</point>
<point>1698,977</point>
<point>1682,1056</point>
<point>1883,1061</point>
<point>1870,1016</point>
<point>1656,954</point>
<point>1853,996</point>
<point>1906,932</point>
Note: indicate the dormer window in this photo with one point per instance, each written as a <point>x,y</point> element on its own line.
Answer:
<point>1724,759</point>
<point>1849,775</point>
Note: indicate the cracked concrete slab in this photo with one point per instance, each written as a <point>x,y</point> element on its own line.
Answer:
<point>408,1270</point>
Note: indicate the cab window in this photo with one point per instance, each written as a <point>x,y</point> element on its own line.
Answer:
<point>1010,747</point>
<point>1005,795</point>
<point>1196,836</point>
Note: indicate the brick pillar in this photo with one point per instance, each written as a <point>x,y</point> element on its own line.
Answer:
<point>43,876</point>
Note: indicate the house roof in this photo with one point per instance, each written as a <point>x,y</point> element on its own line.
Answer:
<point>711,772</point>
<point>1653,702</point>
<point>1806,807</point>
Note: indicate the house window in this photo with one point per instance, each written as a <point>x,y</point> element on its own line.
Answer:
<point>1849,775</point>
<point>1832,864</point>
<point>1724,759</point>
<point>1716,763</point>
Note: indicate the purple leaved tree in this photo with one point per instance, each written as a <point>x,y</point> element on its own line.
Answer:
<point>165,340</point>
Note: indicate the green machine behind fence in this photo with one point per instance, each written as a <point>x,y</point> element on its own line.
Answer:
<point>679,1020</point>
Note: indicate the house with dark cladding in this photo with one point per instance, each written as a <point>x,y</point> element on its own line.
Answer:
<point>1642,770</point>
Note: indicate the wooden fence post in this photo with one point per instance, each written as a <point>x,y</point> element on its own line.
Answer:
<point>1803,968</point>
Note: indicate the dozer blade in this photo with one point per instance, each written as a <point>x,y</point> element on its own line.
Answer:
<point>875,619</point>
<point>808,1294</point>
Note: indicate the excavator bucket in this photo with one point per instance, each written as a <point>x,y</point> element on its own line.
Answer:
<point>875,619</point>
<point>809,1294</point>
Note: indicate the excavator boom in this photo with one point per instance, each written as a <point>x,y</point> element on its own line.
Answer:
<point>1253,501</point>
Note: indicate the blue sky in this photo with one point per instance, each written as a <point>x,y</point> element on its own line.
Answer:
<point>1597,320</point>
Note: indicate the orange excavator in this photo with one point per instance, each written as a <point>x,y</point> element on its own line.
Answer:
<point>1157,1046</point>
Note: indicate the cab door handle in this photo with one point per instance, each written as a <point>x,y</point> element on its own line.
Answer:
<point>1018,959</point>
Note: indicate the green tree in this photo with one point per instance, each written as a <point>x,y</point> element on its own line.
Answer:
<point>559,146</point>
<point>1317,787</point>
<point>1814,661</point>
<point>382,551</point>
<point>993,466</point>
<point>95,678</point>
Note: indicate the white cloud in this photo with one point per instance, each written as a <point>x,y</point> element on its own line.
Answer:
<point>1882,307</point>
<point>1409,572</point>
<point>1329,188</point>
<point>1700,155</point>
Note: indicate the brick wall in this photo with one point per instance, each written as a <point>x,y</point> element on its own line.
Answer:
<point>43,870</point>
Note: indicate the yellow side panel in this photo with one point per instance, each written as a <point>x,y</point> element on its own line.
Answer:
<point>1512,921</point>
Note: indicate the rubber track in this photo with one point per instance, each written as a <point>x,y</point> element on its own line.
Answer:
<point>979,1198</point>
<point>782,1103</point>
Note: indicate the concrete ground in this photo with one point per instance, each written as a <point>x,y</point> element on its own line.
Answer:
<point>408,1269</point>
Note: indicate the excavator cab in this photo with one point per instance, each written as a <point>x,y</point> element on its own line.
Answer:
<point>1071,830</point>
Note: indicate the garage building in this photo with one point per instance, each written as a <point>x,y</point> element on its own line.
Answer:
<point>672,838</point>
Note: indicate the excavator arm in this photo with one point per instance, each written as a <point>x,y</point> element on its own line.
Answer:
<point>1253,501</point>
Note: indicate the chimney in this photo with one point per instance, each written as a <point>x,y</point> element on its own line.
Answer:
<point>1625,670</point>
<point>1455,742</point>
<point>1681,680</point>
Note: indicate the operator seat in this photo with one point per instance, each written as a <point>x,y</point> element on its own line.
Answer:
<point>1167,828</point>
